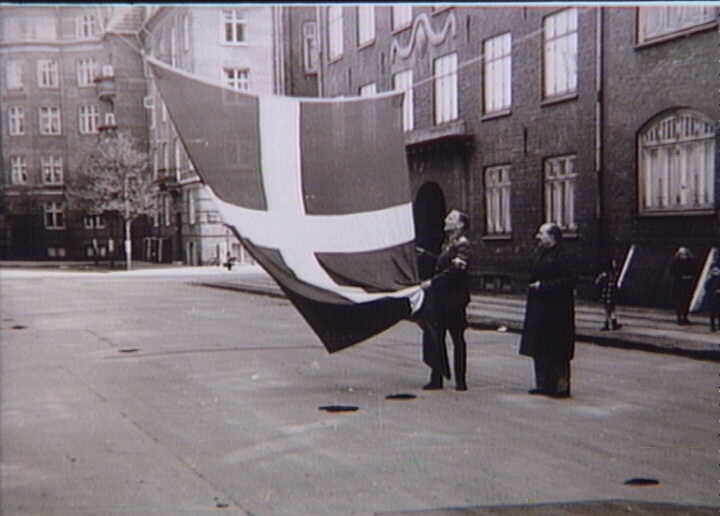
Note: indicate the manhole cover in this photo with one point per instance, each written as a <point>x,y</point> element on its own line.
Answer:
<point>129,350</point>
<point>339,408</point>
<point>639,482</point>
<point>401,396</point>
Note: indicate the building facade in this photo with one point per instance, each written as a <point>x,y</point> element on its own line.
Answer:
<point>65,76</point>
<point>598,118</point>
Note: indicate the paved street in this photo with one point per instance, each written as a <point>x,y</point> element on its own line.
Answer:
<point>147,394</point>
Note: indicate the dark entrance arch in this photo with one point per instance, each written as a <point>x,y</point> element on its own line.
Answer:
<point>428,213</point>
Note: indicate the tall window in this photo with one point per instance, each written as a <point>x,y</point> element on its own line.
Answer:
<point>47,73</point>
<point>368,89</point>
<point>335,31</point>
<point>658,21</point>
<point>167,209</point>
<point>173,47</point>
<point>178,158</point>
<point>497,200</point>
<point>52,170</point>
<point>366,24</point>
<point>50,120</point>
<point>88,119</point>
<point>54,215</point>
<point>16,119</point>
<point>401,16</point>
<point>86,26</point>
<point>446,97</point>
<point>560,179</point>
<point>18,170</point>
<point>13,75</point>
<point>86,71</point>
<point>403,81</point>
<point>234,26</point>
<point>560,56</point>
<point>237,78</point>
<point>192,214</point>
<point>677,163</point>
<point>186,33</point>
<point>497,73</point>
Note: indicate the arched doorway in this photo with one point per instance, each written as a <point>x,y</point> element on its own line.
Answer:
<point>428,213</point>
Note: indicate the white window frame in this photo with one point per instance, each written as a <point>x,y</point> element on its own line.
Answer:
<point>233,27</point>
<point>13,74</point>
<point>655,22</point>
<point>403,81</point>
<point>560,180</point>
<point>335,32</point>
<point>54,215</point>
<point>173,47</point>
<point>47,70</point>
<point>401,16</point>
<point>676,164</point>
<point>368,90</point>
<point>178,158</point>
<point>445,90</point>
<point>86,72</point>
<point>497,74</point>
<point>167,210</point>
<point>498,221</point>
<point>18,170</point>
<point>365,24</point>
<point>50,121</point>
<point>85,26</point>
<point>560,53</point>
<point>16,120</point>
<point>52,170</point>
<point>310,47</point>
<point>192,209</point>
<point>186,32</point>
<point>88,118</point>
<point>94,221</point>
<point>238,78</point>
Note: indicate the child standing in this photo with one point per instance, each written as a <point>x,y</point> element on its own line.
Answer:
<point>607,282</point>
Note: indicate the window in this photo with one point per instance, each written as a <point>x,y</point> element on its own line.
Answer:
<point>56,252</point>
<point>16,118</point>
<point>173,47</point>
<point>13,75</point>
<point>86,71</point>
<point>50,120</point>
<point>335,31</point>
<point>446,99</point>
<point>94,222</point>
<point>560,179</point>
<point>677,163</point>
<point>54,215</point>
<point>178,158</point>
<point>368,90</point>
<point>192,214</point>
<point>52,170</point>
<point>657,21</point>
<point>560,57</point>
<point>497,200</point>
<point>403,81</point>
<point>186,33</point>
<point>497,73</point>
<point>237,78</point>
<point>47,73</point>
<point>18,170</point>
<point>166,210</point>
<point>89,119</point>
<point>401,16</point>
<point>366,24</point>
<point>233,26</point>
<point>165,156</point>
<point>310,47</point>
<point>85,26</point>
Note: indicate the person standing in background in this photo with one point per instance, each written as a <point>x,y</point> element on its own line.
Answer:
<point>682,270</point>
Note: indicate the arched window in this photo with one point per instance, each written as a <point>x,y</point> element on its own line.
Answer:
<point>676,155</point>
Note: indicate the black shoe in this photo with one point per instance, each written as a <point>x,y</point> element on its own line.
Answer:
<point>559,395</point>
<point>462,386</point>
<point>616,326</point>
<point>432,386</point>
<point>537,391</point>
<point>605,328</point>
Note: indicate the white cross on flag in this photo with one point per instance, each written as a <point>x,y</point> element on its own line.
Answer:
<point>317,190</point>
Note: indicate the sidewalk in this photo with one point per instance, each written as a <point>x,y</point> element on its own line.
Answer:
<point>647,329</point>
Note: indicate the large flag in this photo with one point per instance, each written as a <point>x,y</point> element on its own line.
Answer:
<point>317,190</point>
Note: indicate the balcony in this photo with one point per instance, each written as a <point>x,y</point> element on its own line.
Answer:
<point>105,83</point>
<point>449,132</point>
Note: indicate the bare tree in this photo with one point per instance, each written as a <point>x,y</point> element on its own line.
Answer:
<point>114,178</point>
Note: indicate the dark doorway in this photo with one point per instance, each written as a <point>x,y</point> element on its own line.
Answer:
<point>429,213</point>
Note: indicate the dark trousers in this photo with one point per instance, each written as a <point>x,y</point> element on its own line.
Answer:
<point>459,355</point>
<point>552,375</point>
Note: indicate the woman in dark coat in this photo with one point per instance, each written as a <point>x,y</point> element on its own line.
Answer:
<point>549,329</point>
<point>682,270</point>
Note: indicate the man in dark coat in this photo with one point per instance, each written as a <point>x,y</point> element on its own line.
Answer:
<point>549,329</point>
<point>682,270</point>
<point>447,297</point>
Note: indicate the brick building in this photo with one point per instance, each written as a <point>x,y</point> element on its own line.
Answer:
<point>65,75</point>
<point>599,118</point>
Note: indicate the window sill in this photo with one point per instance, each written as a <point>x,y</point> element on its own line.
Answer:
<point>335,59</point>
<point>675,35</point>
<point>398,30</point>
<point>492,238</point>
<point>495,115</point>
<point>677,213</point>
<point>366,44</point>
<point>550,101</point>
